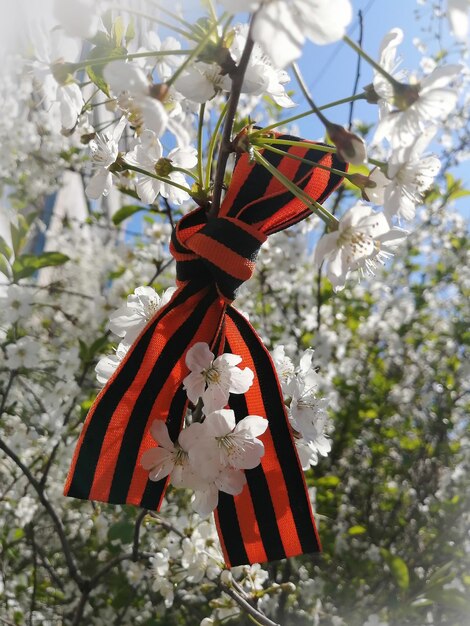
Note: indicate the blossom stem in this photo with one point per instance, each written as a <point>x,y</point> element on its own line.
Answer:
<point>314,206</point>
<point>381,164</point>
<point>156,20</point>
<point>226,144</point>
<point>312,163</point>
<point>299,116</point>
<point>371,61</point>
<point>212,143</point>
<point>139,170</point>
<point>303,87</point>
<point>184,171</point>
<point>288,142</point>
<point>194,53</point>
<point>74,67</point>
<point>200,129</point>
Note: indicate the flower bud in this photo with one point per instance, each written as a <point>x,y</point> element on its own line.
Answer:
<point>350,147</point>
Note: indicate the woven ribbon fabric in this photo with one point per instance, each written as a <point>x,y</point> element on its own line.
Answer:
<point>272,518</point>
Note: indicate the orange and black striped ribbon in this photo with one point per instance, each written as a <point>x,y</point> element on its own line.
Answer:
<point>272,518</point>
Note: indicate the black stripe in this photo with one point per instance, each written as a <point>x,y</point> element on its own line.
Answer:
<point>170,355</point>
<point>259,491</point>
<point>90,450</point>
<point>233,237</point>
<point>255,184</point>
<point>285,451</point>
<point>230,528</point>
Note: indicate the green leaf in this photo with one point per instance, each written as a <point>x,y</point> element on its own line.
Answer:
<point>5,248</point>
<point>27,264</point>
<point>126,211</point>
<point>98,345</point>
<point>4,267</point>
<point>117,32</point>
<point>398,568</point>
<point>124,531</point>
<point>357,530</point>
<point>328,481</point>
<point>130,32</point>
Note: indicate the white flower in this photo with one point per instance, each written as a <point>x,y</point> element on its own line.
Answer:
<point>359,243</point>
<point>228,480</point>
<point>281,27</point>
<point>409,175</point>
<point>148,156</point>
<point>51,48</point>
<point>16,305</point>
<point>104,152</point>
<point>131,86</point>
<point>389,62</point>
<point>260,75</point>
<point>202,81</point>
<point>140,307</point>
<point>309,417</point>
<point>169,458</point>
<point>457,12</point>
<point>107,365</point>
<point>23,353</point>
<point>284,367</point>
<point>164,65</point>
<point>77,17</point>
<point>214,380</point>
<point>220,442</point>
<point>430,99</point>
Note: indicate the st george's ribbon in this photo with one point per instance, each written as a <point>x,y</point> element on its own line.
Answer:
<point>272,518</point>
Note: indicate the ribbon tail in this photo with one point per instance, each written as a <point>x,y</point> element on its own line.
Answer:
<point>272,518</point>
<point>146,386</point>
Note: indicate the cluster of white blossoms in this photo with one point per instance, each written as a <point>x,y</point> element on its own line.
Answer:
<point>307,408</point>
<point>210,455</point>
<point>409,112</point>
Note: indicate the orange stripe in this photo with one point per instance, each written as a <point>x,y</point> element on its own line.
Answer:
<point>206,333</point>
<point>113,439</point>
<point>222,257</point>
<point>269,462</point>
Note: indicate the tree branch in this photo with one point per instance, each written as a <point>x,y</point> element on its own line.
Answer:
<point>226,142</point>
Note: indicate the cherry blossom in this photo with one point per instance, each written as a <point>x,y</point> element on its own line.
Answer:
<point>418,103</point>
<point>104,152</point>
<point>214,380</point>
<point>457,12</point>
<point>228,480</point>
<point>77,17</point>
<point>147,155</point>
<point>360,242</point>
<point>129,83</point>
<point>107,365</point>
<point>140,307</point>
<point>202,81</point>
<point>281,27</point>
<point>169,458</point>
<point>409,175</point>
<point>222,443</point>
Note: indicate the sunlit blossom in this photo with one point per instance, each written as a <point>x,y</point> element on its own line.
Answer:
<point>363,239</point>
<point>214,379</point>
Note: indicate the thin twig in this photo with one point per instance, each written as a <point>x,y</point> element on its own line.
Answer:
<point>246,606</point>
<point>138,524</point>
<point>358,68</point>
<point>73,570</point>
<point>226,144</point>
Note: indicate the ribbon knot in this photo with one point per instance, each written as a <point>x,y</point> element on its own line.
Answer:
<point>272,517</point>
<point>223,249</point>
